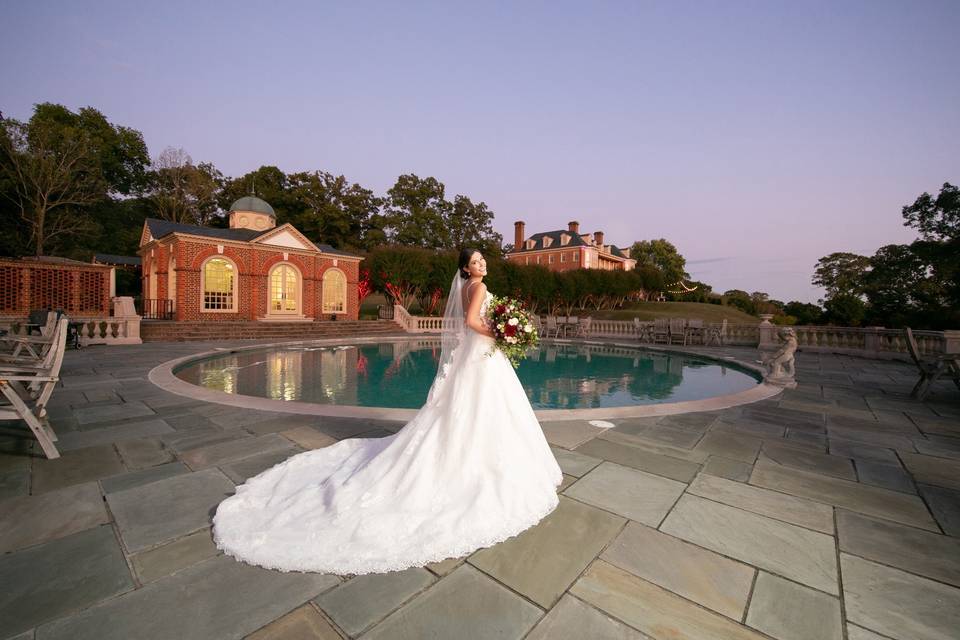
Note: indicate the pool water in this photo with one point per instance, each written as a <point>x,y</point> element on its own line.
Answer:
<point>399,374</point>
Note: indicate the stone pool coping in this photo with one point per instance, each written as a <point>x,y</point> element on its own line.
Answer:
<point>163,377</point>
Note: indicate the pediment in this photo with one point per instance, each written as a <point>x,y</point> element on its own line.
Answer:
<point>286,236</point>
<point>145,236</point>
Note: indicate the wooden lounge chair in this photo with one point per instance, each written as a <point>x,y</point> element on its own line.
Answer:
<point>694,332</point>
<point>583,327</point>
<point>678,330</point>
<point>25,390</point>
<point>930,370</point>
<point>661,330</point>
<point>30,348</point>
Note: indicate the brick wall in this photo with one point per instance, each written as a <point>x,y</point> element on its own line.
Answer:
<point>253,265</point>
<point>77,289</point>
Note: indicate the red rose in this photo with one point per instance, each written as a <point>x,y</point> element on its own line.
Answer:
<point>510,331</point>
<point>501,309</point>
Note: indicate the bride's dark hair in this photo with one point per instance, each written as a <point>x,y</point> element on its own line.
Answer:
<point>465,255</point>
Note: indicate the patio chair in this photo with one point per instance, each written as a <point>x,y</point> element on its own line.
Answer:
<point>32,347</point>
<point>694,332</point>
<point>25,391</point>
<point>715,333</point>
<point>552,326</point>
<point>661,330</point>
<point>678,330</point>
<point>931,370</point>
<point>573,325</point>
<point>643,330</point>
<point>583,327</point>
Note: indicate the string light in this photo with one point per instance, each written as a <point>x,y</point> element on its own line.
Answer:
<point>683,288</point>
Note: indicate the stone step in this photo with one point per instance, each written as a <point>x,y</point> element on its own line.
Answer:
<point>164,331</point>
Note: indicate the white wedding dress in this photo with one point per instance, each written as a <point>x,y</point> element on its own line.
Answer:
<point>471,469</point>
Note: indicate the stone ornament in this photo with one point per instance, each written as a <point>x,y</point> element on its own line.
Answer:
<point>779,365</point>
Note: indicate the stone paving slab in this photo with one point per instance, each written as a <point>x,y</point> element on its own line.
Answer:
<point>756,540</point>
<point>110,412</point>
<point>304,623</point>
<point>779,506</point>
<point>859,633</point>
<point>108,435</point>
<point>633,494</point>
<point>224,452</point>
<point>860,451</point>
<point>629,456</point>
<point>830,465</point>
<point>727,468</point>
<point>244,469</point>
<point>639,442</point>
<point>59,577</point>
<point>174,556</point>
<point>695,573</point>
<point>368,599</point>
<point>144,453</point>
<point>573,463</point>
<point>569,433</point>
<point>653,610</point>
<point>789,611</point>
<point>735,447</point>
<point>125,481</point>
<point>168,509</point>
<point>573,619</point>
<point>673,436</point>
<point>873,501</point>
<point>887,476</point>
<point>888,440</point>
<point>308,438</point>
<point>219,598</point>
<point>928,554</point>
<point>15,482</point>
<point>465,605</point>
<point>897,604</point>
<point>185,441</point>
<point>940,446</point>
<point>528,564</point>
<point>939,472</point>
<point>945,505</point>
<point>75,467</point>
<point>30,520</point>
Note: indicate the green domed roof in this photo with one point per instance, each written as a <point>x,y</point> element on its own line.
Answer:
<point>254,204</point>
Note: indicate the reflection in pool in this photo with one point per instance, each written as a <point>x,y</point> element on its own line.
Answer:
<point>399,374</point>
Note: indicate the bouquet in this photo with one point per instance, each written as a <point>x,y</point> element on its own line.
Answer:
<point>514,328</point>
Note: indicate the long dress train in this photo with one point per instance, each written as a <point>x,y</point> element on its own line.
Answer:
<point>471,469</point>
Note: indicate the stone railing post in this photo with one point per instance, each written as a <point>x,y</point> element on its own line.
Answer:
<point>768,333</point>
<point>872,343</point>
<point>951,341</point>
<point>125,313</point>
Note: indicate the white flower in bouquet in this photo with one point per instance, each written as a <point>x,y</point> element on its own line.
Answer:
<point>527,328</point>
<point>513,322</point>
<point>511,340</point>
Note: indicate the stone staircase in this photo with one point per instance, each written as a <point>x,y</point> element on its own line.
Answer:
<point>164,331</point>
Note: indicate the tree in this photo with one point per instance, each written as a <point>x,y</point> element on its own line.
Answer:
<point>804,312</point>
<point>182,191</point>
<point>845,310</point>
<point>937,219</point>
<point>662,255</point>
<point>51,173</point>
<point>471,225</point>
<point>741,300</point>
<point>268,183</point>
<point>334,210</point>
<point>841,274</point>
<point>416,213</point>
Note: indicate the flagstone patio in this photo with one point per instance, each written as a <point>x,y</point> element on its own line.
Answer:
<point>829,512</point>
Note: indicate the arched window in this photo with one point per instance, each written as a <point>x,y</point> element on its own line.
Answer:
<point>284,290</point>
<point>219,285</point>
<point>334,291</point>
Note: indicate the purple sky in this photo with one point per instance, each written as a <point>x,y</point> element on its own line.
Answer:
<point>755,136</point>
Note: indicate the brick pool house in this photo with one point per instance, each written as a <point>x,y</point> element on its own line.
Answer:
<point>568,249</point>
<point>252,271</point>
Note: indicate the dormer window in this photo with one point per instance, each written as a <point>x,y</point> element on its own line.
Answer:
<point>564,240</point>
<point>531,244</point>
<point>547,241</point>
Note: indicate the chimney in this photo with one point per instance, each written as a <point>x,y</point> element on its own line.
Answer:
<point>518,235</point>
<point>574,227</point>
<point>598,238</point>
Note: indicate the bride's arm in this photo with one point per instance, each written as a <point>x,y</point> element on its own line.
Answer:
<point>474,321</point>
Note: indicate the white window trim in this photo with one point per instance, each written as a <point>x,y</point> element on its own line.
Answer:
<point>299,310</point>
<point>323,311</point>
<point>203,283</point>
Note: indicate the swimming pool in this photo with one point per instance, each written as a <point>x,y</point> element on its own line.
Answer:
<point>398,374</point>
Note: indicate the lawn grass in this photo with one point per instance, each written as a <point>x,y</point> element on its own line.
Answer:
<point>689,310</point>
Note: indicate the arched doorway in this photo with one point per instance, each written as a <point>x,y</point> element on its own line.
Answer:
<point>285,291</point>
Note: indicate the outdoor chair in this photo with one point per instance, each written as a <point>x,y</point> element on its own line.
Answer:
<point>661,330</point>
<point>678,330</point>
<point>694,332</point>
<point>931,370</point>
<point>715,333</point>
<point>583,327</point>
<point>32,347</point>
<point>573,325</point>
<point>552,326</point>
<point>25,391</point>
<point>643,330</point>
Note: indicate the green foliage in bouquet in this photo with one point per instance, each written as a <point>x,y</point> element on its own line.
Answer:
<point>514,328</point>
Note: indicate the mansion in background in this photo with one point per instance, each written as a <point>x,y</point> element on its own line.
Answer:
<point>568,249</point>
<point>254,270</point>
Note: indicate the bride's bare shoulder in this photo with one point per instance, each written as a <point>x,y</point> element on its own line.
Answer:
<point>473,289</point>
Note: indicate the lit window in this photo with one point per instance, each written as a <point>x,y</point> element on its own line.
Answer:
<point>538,259</point>
<point>334,291</point>
<point>576,256</point>
<point>527,259</point>
<point>563,257</point>
<point>550,259</point>
<point>218,285</point>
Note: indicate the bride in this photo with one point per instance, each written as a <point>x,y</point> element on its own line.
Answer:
<point>471,469</point>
